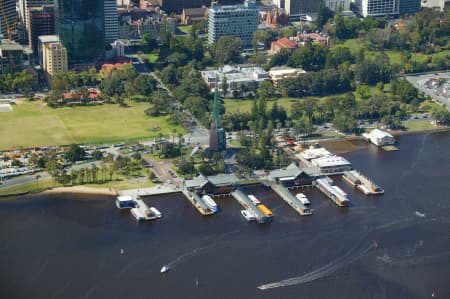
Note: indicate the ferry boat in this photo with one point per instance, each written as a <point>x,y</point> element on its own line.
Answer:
<point>125,202</point>
<point>137,214</point>
<point>248,215</point>
<point>254,199</point>
<point>210,203</point>
<point>302,197</point>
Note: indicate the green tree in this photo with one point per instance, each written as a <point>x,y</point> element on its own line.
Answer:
<point>74,153</point>
<point>228,49</point>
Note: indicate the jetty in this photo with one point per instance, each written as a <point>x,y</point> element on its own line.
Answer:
<point>248,204</point>
<point>291,200</point>
<point>142,212</point>
<point>198,202</point>
<point>362,183</point>
<point>326,185</point>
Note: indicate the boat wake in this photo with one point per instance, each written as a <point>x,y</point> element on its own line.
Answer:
<point>321,272</point>
<point>186,256</point>
<point>350,257</point>
<point>421,215</point>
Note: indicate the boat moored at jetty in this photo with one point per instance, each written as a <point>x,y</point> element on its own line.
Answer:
<point>125,202</point>
<point>254,199</point>
<point>303,199</point>
<point>210,203</point>
<point>248,215</point>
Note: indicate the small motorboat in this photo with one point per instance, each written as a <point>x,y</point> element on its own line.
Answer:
<point>165,268</point>
<point>248,215</point>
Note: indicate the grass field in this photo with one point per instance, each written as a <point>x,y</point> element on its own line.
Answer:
<point>245,105</point>
<point>34,186</point>
<point>152,57</point>
<point>185,29</point>
<point>394,55</point>
<point>34,124</point>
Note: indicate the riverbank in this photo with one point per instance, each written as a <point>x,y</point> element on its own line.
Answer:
<point>81,190</point>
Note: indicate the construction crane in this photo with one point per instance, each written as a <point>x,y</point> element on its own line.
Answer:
<point>10,29</point>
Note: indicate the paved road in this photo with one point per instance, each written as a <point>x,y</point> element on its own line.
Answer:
<point>419,82</point>
<point>43,175</point>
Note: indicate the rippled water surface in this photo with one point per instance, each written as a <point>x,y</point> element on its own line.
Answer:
<point>70,246</point>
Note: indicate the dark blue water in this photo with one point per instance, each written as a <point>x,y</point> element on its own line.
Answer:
<point>69,246</point>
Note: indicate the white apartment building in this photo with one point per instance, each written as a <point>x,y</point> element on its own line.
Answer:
<point>111,21</point>
<point>239,20</point>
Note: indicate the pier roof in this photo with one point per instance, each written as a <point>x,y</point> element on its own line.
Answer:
<point>293,171</point>
<point>217,180</point>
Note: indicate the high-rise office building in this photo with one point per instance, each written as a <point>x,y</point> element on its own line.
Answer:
<point>376,8</point>
<point>239,20</point>
<point>81,26</point>
<point>54,58</point>
<point>41,21</point>
<point>409,6</point>
<point>178,5</point>
<point>111,21</point>
<point>9,9</point>
<point>299,7</point>
<point>42,40</point>
<point>25,5</point>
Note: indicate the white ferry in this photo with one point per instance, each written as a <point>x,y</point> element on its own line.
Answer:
<point>210,203</point>
<point>254,199</point>
<point>248,215</point>
<point>302,197</point>
<point>125,202</point>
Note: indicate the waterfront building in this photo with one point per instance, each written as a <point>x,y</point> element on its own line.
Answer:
<point>378,8</point>
<point>8,17</point>
<point>81,26</point>
<point>216,185</point>
<point>331,164</point>
<point>239,20</point>
<point>54,58</point>
<point>283,72</point>
<point>41,21</point>
<point>293,176</point>
<point>379,137</point>
<point>235,77</point>
<point>217,138</point>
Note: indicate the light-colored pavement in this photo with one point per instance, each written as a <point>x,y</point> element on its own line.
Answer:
<point>419,82</point>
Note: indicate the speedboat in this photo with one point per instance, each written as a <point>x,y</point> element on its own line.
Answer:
<point>248,215</point>
<point>125,202</point>
<point>165,268</point>
<point>254,199</point>
<point>302,197</point>
<point>210,203</point>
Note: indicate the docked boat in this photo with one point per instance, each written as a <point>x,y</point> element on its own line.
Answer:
<point>249,216</point>
<point>254,199</point>
<point>137,214</point>
<point>165,268</point>
<point>125,202</point>
<point>154,212</point>
<point>303,199</point>
<point>210,203</point>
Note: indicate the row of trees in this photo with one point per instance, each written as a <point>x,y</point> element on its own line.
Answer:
<point>16,82</point>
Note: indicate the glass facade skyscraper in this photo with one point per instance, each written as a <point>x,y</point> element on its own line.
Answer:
<point>80,26</point>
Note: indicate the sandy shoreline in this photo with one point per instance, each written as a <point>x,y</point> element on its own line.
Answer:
<point>81,190</point>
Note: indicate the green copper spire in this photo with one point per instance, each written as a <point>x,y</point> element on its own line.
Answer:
<point>216,106</point>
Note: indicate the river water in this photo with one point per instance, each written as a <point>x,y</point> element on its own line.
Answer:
<point>70,246</point>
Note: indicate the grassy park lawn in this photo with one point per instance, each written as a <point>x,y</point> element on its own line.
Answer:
<point>34,124</point>
<point>152,57</point>
<point>245,105</point>
<point>420,125</point>
<point>185,29</point>
<point>33,186</point>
